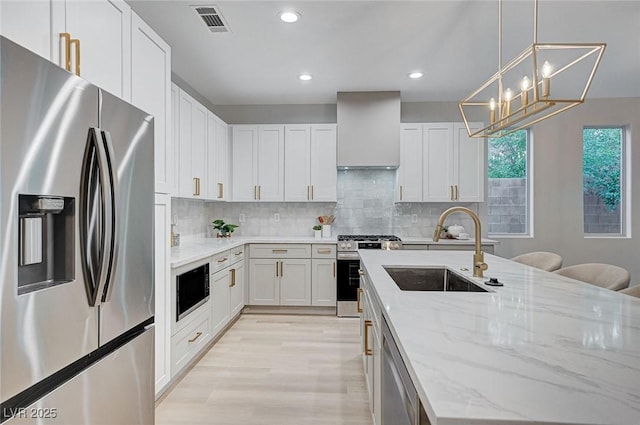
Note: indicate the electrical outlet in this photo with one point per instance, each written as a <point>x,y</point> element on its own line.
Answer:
<point>241,218</point>
<point>276,217</point>
<point>414,218</point>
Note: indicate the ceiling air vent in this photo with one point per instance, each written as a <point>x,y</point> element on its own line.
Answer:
<point>212,18</point>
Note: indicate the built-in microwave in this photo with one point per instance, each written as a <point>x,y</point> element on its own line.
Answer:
<point>192,290</point>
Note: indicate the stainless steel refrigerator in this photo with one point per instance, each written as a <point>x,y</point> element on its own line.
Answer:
<point>76,249</point>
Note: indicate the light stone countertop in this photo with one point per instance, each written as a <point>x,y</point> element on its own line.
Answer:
<point>196,248</point>
<point>430,241</point>
<point>543,349</point>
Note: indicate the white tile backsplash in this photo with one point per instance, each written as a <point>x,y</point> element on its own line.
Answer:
<point>365,205</point>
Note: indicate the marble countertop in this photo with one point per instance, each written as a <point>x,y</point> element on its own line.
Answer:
<point>418,240</point>
<point>543,349</point>
<point>196,248</point>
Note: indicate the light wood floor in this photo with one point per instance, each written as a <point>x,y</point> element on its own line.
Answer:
<point>275,370</point>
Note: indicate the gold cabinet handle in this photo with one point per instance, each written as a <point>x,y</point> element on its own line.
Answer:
<point>281,269</point>
<point>457,193</point>
<point>367,325</point>
<point>77,44</point>
<point>312,193</point>
<point>451,193</point>
<point>401,192</point>
<point>196,337</point>
<point>255,192</point>
<point>308,193</point>
<point>220,190</point>
<point>222,260</point>
<point>195,187</point>
<point>233,278</point>
<point>67,50</point>
<point>334,269</point>
<point>277,270</point>
<point>358,306</point>
<point>279,251</point>
<point>238,253</point>
<point>324,250</point>
<point>259,194</point>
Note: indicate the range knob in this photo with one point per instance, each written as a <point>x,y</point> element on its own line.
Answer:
<point>396,246</point>
<point>348,246</point>
<point>343,245</point>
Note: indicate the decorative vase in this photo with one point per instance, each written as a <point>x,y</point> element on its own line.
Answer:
<point>326,230</point>
<point>317,234</point>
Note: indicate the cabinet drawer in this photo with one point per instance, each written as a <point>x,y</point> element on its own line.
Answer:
<point>219,261</point>
<point>187,343</point>
<point>236,254</point>
<point>280,250</point>
<point>323,251</point>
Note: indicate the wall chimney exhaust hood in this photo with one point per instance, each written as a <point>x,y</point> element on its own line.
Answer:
<point>368,129</point>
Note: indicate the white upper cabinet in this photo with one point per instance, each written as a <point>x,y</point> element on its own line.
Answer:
<point>98,47</point>
<point>192,136</point>
<point>102,52</point>
<point>469,164</point>
<point>440,163</point>
<point>410,170</point>
<point>175,140</point>
<point>438,142</point>
<point>258,163</point>
<point>34,24</point>
<point>244,144</point>
<point>297,163</point>
<point>324,172</point>
<point>217,157</point>
<point>151,92</point>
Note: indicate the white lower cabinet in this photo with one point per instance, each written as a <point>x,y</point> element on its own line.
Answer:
<point>219,300</point>
<point>371,340</point>
<point>162,253</point>
<point>236,288</point>
<point>292,274</point>
<point>188,341</point>
<point>295,282</point>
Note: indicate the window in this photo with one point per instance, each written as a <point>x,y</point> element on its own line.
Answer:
<point>603,180</point>
<point>509,200</point>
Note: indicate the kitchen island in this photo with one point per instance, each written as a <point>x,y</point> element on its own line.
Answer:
<point>541,349</point>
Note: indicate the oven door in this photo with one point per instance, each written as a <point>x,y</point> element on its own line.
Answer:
<point>348,281</point>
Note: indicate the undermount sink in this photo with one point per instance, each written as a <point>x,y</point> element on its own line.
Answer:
<point>431,279</point>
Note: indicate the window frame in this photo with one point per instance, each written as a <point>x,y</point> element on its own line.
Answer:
<point>529,225</point>
<point>625,184</point>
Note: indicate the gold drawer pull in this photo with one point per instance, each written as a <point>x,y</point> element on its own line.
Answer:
<point>279,251</point>
<point>367,325</point>
<point>220,190</point>
<point>324,250</point>
<point>358,306</point>
<point>67,50</point>
<point>233,278</point>
<point>222,260</point>
<point>77,49</point>
<point>238,253</point>
<point>198,335</point>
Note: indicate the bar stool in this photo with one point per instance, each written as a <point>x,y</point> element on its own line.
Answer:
<point>634,291</point>
<point>599,274</point>
<point>547,261</point>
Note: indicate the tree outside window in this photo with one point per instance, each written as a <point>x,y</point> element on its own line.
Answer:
<point>602,180</point>
<point>508,201</point>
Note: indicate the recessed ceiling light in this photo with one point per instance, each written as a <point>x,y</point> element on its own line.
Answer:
<point>305,77</point>
<point>289,17</point>
<point>416,75</point>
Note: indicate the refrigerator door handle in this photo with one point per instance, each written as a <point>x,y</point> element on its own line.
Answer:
<point>97,216</point>
<point>113,239</point>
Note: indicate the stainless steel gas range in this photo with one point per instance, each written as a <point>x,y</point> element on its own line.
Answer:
<point>348,259</point>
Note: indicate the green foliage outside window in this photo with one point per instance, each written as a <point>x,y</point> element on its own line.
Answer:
<point>602,157</point>
<point>508,156</point>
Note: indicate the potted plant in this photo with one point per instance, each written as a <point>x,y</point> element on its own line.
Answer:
<point>317,230</point>
<point>224,229</point>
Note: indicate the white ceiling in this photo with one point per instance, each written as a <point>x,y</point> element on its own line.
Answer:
<point>373,45</point>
